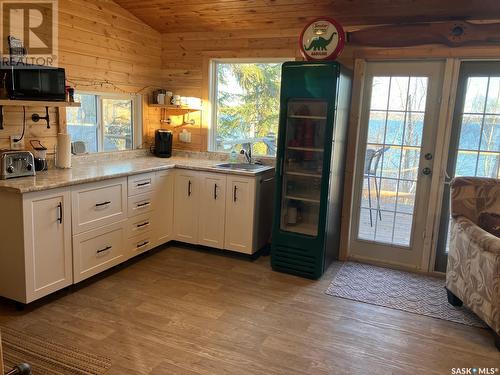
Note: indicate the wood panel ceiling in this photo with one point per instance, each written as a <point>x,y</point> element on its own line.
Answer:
<point>220,15</point>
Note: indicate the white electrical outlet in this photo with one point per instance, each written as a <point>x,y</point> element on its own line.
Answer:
<point>16,145</point>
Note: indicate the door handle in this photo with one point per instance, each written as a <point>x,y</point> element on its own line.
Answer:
<point>189,188</point>
<point>60,209</point>
<point>102,203</point>
<point>215,191</point>
<point>105,249</point>
<point>142,244</point>
<point>427,171</point>
<point>234,193</point>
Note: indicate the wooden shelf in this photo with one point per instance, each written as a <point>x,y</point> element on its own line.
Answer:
<point>305,149</point>
<point>37,103</point>
<point>175,108</point>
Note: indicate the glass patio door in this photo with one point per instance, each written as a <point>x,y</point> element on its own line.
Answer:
<point>475,140</point>
<point>394,168</point>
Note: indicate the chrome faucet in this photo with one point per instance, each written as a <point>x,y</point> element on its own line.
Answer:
<point>248,153</point>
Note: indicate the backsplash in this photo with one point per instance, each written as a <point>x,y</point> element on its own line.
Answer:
<point>78,160</point>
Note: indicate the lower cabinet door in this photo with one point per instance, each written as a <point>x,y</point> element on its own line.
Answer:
<point>98,250</point>
<point>212,210</point>
<point>47,226</point>
<point>164,207</point>
<point>186,206</point>
<point>240,200</point>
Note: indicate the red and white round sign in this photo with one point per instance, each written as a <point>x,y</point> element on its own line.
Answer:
<point>322,39</point>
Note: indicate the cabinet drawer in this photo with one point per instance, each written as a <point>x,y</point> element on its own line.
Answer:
<point>139,224</point>
<point>139,244</point>
<point>141,183</point>
<point>98,250</point>
<point>140,204</point>
<point>98,204</point>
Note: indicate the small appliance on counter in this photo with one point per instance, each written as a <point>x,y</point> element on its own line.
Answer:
<point>163,143</point>
<point>16,164</point>
<point>40,155</point>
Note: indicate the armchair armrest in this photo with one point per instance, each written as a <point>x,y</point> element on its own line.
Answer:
<point>485,240</point>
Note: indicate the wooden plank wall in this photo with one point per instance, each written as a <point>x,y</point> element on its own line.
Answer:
<point>185,59</point>
<point>185,65</point>
<point>98,41</point>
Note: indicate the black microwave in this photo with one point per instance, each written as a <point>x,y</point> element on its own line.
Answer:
<point>35,83</point>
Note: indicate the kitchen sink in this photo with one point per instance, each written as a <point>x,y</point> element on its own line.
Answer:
<point>240,166</point>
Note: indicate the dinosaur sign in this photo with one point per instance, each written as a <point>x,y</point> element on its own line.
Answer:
<point>322,39</point>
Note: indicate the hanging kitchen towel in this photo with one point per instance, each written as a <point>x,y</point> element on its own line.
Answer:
<point>63,154</point>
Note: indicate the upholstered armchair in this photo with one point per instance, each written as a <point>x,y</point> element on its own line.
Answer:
<point>473,272</point>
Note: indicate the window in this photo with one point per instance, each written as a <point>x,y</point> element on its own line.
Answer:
<point>245,105</point>
<point>105,122</point>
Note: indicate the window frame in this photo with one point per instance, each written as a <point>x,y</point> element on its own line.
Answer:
<point>136,117</point>
<point>213,89</point>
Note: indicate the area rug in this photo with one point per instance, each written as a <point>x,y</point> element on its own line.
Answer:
<point>406,291</point>
<point>48,358</point>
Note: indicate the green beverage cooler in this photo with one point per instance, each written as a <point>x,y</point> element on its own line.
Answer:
<point>315,98</point>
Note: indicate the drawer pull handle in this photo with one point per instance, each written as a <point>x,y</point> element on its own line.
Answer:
<point>144,184</point>
<point>215,191</point>
<point>235,198</point>
<point>139,205</point>
<point>105,249</point>
<point>142,244</point>
<point>189,188</point>
<point>102,204</point>
<point>60,208</point>
<point>143,224</point>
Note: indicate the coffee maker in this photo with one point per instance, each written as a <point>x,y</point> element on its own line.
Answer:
<point>163,143</point>
<point>40,155</point>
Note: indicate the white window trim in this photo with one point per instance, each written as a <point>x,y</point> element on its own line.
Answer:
<point>212,90</point>
<point>136,117</point>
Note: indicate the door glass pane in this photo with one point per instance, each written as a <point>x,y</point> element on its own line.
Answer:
<point>478,152</point>
<point>303,165</point>
<point>392,159</point>
<point>82,121</point>
<point>118,124</point>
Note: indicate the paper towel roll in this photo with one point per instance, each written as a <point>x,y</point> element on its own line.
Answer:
<point>63,154</point>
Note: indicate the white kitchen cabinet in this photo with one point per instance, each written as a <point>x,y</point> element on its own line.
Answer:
<point>239,213</point>
<point>186,206</point>
<point>163,215</point>
<point>249,212</point>
<point>140,183</point>
<point>36,244</point>
<point>98,203</point>
<point>211,219</point>
<point>97,250</point>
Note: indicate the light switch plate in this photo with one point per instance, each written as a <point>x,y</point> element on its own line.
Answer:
<point>16,145</point>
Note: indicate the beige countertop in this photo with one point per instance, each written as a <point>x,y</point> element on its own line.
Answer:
<point>98,171</point>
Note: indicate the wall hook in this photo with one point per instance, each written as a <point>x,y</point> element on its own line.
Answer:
<point>36,117</point>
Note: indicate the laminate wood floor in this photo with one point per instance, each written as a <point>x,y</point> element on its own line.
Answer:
<point>186,311</point>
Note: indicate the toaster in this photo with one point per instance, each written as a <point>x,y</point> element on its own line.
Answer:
<point>16,164</point>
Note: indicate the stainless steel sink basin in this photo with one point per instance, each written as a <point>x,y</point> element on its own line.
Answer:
<point>240,166</point>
